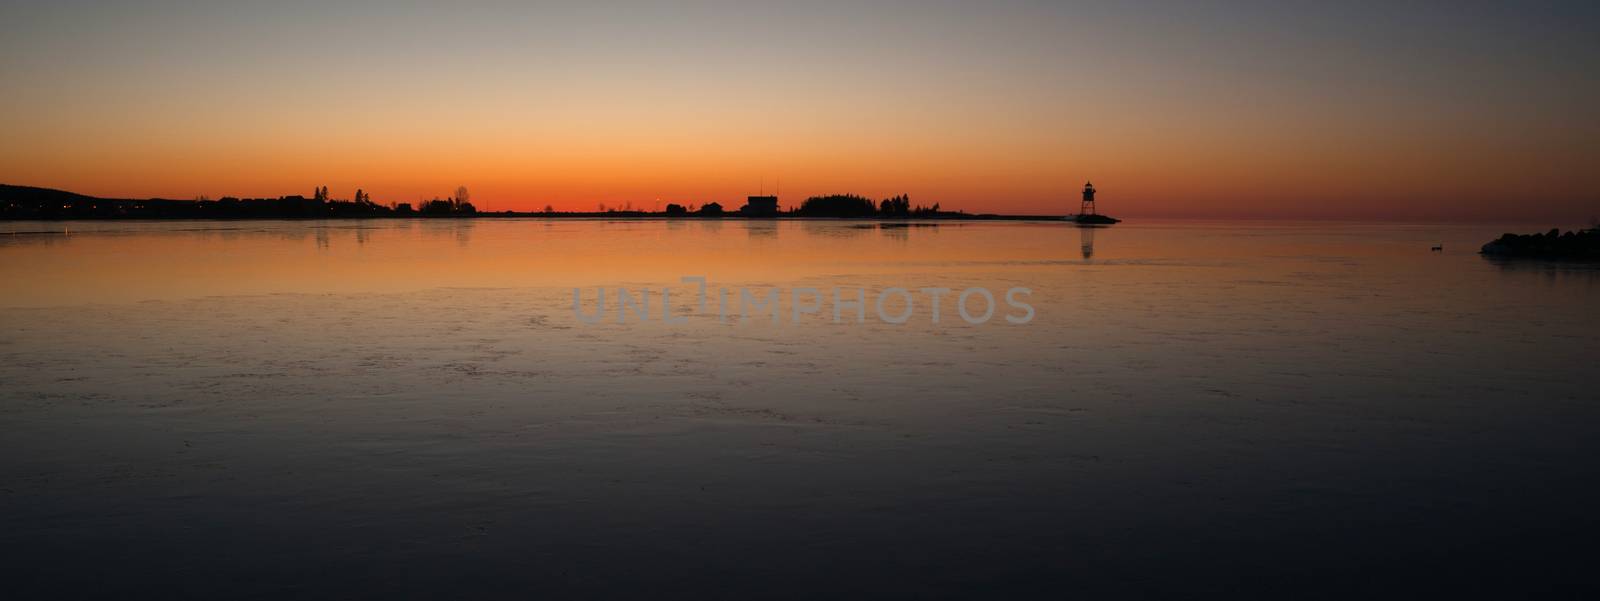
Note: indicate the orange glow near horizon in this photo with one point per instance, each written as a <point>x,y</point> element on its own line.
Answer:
<point>1009,115</point>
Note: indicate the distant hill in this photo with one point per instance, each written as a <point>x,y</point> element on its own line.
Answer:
<point>28,202</point>
<point>33,195</point>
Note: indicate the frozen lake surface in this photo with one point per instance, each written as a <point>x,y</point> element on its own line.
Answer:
<point>412,409</point>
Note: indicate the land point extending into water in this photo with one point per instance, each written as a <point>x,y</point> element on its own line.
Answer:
<point>33,203</point>
<point>1580,245</point>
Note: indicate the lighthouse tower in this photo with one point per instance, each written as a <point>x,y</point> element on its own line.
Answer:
<point>1088,199</point>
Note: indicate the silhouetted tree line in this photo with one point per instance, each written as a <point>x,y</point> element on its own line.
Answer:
<point>24,202</point>
<point>851,205</point>
<point>460,204</point>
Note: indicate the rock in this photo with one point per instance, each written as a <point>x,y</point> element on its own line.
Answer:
<point>1580,245</point>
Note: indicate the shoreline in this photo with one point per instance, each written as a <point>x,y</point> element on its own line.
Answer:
<point>590,215</point>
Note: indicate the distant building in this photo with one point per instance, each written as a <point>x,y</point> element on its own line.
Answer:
<point>676,209</point>
<point>711,208</point>
<point>760,206</point>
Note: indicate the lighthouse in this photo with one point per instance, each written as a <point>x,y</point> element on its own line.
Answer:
<point>1087,215</point>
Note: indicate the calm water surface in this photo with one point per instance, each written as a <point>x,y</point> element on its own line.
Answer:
<point>412,409</point>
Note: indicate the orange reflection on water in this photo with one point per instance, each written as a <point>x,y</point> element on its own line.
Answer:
<point>99,262</point>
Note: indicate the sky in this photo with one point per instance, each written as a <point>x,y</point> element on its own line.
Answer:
<point>1458,110</point>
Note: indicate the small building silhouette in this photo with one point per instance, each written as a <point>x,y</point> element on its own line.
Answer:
<point>711,208</point>
<point>760,206</point>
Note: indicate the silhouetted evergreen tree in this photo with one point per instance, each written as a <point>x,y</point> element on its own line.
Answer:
<point>836,205</point>
<point>898,206</point>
